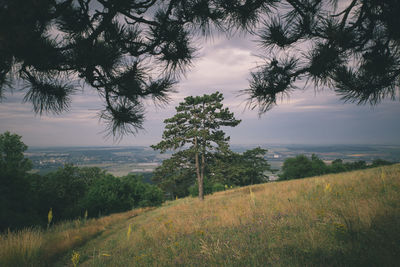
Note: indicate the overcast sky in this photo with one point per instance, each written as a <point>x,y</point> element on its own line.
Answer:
<point>308,117</point>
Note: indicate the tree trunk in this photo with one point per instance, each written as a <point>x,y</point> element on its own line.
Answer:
<point>199,176</point>
<point>203,164</point>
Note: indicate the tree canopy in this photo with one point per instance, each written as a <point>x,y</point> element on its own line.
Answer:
<point>176,176</point>
<point>240,169</point>
<point>14,189</point>
<point>12,160</point>
<point>352,47</point>
<point>129,50</point>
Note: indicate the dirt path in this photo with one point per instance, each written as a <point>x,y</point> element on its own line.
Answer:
<point>95,247</point>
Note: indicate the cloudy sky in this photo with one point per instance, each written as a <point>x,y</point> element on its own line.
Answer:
<point>308,117</point>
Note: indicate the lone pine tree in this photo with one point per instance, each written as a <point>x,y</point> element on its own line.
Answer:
<point>197,123</point>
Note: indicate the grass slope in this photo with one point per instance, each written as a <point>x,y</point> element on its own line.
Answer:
<point>344,219</point>
<point>349,219</point>
<point>38,247</point>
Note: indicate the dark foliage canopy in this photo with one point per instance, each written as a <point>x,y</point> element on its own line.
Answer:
<point>14,204</point>
<point>240,169</point>
<point>176,176</point>
<point>301,166</point>
<point>197,122</point>
<point>12,160</point>
<point>132,50</point>
<point>350,46</point>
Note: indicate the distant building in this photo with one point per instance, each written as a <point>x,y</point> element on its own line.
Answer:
<point>273,177</point>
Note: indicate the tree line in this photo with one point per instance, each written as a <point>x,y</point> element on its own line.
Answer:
<point>301,166</point>
<point>70,191</point>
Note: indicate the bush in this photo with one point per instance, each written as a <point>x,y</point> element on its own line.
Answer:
<point>207,188</point>
<point>294,168</point>
<point>144,194</point>
<point>301,166</point>
<point>152,196</point>
<point>111,194</point>
<point>107,195</point>
<point>218,187</point>
<point>380,162</point>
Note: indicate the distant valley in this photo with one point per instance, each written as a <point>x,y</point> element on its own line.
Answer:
<point>141,159</point>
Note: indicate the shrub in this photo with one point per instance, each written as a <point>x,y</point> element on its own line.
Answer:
<point>218,187</point>
<point>105,196</point>
<point>194,189</point>
<point>152,196</point>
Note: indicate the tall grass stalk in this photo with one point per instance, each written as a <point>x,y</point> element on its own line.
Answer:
<point>21,248</point>
<point>49,217</point>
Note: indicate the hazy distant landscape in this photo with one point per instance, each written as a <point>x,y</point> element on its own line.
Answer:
<point>141,159</point>
<point>116,160</point>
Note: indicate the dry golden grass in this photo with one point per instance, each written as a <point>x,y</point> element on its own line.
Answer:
<point>21,248</point>
<point>349,219</point>
<point>36,247</point>
<point>332,220</point>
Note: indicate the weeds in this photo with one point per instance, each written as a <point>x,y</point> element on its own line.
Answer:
<point>75,258</point>
<point>49,217</point>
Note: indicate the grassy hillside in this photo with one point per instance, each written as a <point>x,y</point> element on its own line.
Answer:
<point>350,219</point>
<point>37,247</point>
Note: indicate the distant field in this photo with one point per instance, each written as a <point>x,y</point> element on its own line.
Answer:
<point>122,160</point>
<point>125,168</point>
<point>116,169</point>
<point>348,219</point>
